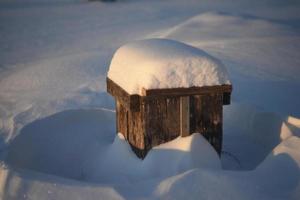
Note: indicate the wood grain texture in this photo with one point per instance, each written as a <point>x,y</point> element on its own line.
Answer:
<point>162,121</point>
<point>132,125</point>
<point>185,116</point>
<point>187,91</point>
<point>206,118</point>
<point>147,121</point>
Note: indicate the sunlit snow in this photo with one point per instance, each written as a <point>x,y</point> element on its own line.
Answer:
<point>57,123</point>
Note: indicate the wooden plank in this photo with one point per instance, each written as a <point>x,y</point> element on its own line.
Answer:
<point>130,101</point>
<point>185,116</point>
<point>186,91</point>
<point>136,129</point>
<point>132,126</point>
<point>172,117</point>
<point>206,118</point>
<point>134,102</point>
<point>122,119</point>
<point>162,117</point>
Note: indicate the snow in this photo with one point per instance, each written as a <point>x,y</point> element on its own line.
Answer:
<point>57,123</point>
<point>183,154</point>
<point>111,170</point>
<point>32,185</point>
<point>162,63</point>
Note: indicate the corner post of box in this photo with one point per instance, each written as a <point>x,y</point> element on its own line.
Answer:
<point>130,101</point>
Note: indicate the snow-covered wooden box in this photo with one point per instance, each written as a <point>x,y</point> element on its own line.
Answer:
<point>164,89</point>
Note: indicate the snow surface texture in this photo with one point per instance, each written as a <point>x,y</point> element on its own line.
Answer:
<point>107,167</point>
<point>162,63</point>
<point>57,125</point>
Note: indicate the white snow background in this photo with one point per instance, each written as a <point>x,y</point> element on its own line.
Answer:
<point>57,123</point>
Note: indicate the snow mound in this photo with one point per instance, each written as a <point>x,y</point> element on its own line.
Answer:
<point>184,153</point>
<point>119,164</point>
<point>257,131</point>
<point>182,166</point>
<point>278,175</point>
<point>163,63</point>
<point>82,145</point>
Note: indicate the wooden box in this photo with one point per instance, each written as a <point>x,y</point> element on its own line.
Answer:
<point>160,115</point>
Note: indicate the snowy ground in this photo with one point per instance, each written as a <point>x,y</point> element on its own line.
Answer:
<point>57,125</point>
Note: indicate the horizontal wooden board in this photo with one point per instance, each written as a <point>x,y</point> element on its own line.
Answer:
<point>187,91</point>
<point>133,102</point>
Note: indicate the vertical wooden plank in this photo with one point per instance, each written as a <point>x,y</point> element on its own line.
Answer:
<point>132,125</point>
<point>154,123</point>
<point>136,129</point>
<point>162,120</point>
<point>172,121</point>
<point>122,118</point>
<point>206,118</point>
<point>184,116</point>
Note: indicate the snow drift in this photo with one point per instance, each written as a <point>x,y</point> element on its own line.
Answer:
<point>54,57</point>
<point>187,164</point>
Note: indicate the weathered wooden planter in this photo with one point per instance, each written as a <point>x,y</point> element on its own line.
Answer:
<point>160,115</point>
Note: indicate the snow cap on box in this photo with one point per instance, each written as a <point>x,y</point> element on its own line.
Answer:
<point>163,63</point>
